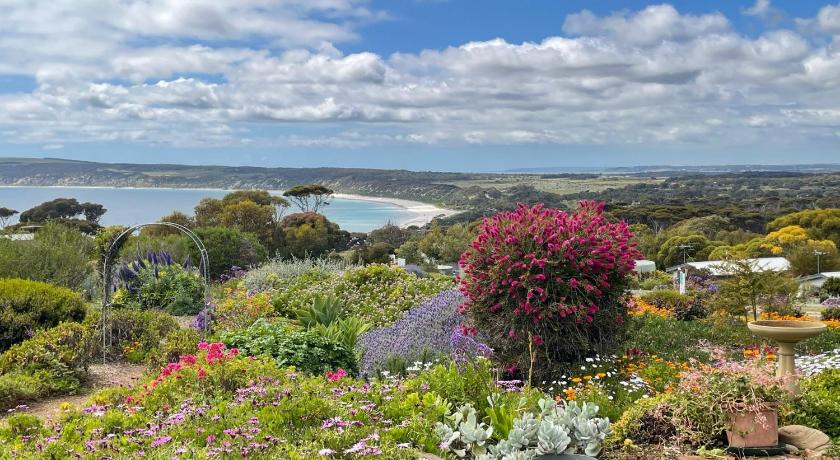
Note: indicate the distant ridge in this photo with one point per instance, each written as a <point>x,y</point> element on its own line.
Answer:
<point>670,169</point>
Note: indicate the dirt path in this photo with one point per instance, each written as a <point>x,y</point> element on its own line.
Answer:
<point>99,376</point>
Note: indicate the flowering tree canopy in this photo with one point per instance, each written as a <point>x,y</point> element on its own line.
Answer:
<point>555,279</point>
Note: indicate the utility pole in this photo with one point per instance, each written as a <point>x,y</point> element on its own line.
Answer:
<point>685,248</point>
<point>818,254</point>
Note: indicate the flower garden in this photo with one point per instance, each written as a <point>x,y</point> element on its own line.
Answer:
<point>538,349</point>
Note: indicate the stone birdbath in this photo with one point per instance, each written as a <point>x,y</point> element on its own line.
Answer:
<point>788,334</point>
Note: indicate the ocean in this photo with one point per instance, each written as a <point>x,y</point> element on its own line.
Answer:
<point>128,206</point>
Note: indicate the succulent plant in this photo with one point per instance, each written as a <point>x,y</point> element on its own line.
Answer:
<point>554,429</point>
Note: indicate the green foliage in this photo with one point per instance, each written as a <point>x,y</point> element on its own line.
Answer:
<point>684,307</point>
<point>58,255</point>
<point>680,340</point>
<point>228,247</point>
<point>677,248</point>
<point>376,253</point>
<point>307,351</point>
<point>279,274</point>
<point>831,288</point>
<point>23,425</point>
<point>309,234</point>
<point>447,245</point>
<point>821,224</point>
<point>344,331</point>
<point>309,197</point>
<point>53,361</point>
<point>748,288</point>
<point>62,208</point>
<point>819,403</point>
<point>176,343</point>
<point>656,279</point>
<point>172,288</point>
<point>134,334</point>
<point>324,310</point>
<point>28,306</point>
<point>377,294</point>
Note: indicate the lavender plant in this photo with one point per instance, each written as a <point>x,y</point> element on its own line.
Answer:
<point>425,330</point>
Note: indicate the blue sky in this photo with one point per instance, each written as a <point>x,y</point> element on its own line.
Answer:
<point>422,84</point>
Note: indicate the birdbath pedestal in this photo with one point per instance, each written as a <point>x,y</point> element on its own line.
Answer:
<point>787,334</point>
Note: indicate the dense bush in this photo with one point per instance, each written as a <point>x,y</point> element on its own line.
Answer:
<point>28,306</point>
<point>229,247</point>
<point>58,255</point>
<point>133,334</point>
<point>307,351</point>
<point>377,294</point>
<point>53,361</point>
<point>541,277</point>
<point>239,309</point>
<point>156,281</point>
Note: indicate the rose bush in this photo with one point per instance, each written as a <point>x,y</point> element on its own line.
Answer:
<point>544,283</point>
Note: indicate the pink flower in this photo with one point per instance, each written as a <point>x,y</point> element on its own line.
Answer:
<point>337,375</point>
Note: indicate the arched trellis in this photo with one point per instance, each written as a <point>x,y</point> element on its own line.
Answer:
<point>108,275</point>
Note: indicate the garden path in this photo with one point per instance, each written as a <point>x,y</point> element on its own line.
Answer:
<point>99,376</point>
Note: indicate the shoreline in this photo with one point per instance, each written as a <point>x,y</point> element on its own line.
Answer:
<point>423,213</point>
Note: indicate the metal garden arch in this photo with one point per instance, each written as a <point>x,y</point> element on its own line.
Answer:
<point>108,275</point>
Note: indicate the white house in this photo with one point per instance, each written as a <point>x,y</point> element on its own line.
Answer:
<point>720,268</point>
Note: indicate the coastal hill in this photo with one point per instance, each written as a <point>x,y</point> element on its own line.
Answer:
<point>654,195</point>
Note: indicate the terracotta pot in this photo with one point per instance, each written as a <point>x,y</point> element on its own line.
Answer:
<point>747,430</point>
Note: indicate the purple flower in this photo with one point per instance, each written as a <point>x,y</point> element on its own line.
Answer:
<point>424,330</point>
<point>161,441</point>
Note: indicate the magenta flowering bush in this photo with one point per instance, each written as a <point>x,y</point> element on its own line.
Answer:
<point>548,282</point>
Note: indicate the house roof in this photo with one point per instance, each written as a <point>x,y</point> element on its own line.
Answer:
<point>818,276</point>
<point>719,268</point>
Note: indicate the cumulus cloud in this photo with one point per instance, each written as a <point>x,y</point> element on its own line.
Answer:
<point>248,73</point>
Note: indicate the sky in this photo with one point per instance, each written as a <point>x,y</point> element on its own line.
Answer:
<point>460,85</point>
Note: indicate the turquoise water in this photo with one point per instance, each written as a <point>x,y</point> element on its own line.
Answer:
<point>128,206</point>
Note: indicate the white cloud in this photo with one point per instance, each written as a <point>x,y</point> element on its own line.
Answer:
<point>252,72</point>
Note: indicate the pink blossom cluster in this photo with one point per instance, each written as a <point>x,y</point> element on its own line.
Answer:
<point>536,264</point>
<point>213,353</point>
<point>336,376</point>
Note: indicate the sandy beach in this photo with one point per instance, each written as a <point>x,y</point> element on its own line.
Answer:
<point>423,212</point>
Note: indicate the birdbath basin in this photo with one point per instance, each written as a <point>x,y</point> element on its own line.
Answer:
<point>788,334</point>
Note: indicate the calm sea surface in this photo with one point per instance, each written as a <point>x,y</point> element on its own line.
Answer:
<point>129,206</point>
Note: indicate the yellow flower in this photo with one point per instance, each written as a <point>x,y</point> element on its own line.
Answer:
<point>587,377</point>
<point>600,375</point>
<point>576,380</point>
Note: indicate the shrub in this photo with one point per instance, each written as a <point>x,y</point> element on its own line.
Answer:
<point>156,281</point>
<point>656,279</point>
<point>424,331</point>
<point>239,309</point>
<point>307,351</point>
<point>831,288</point>
<point>681,340</point>
<point>831,314</point>
<point>819,406</point>
<point>58,255</point>
<point>229,247</point>
<point>28,306</point>
<point>380,294</point>
<point>666,298</point>
<point>280,274</point>
<point>53,361</point>
<point>133,333</point>
<point>177,343</point>
<point>377,294</point>
<point>537,276</point>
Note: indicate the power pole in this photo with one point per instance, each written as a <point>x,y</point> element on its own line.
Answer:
<point>818,254</point>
